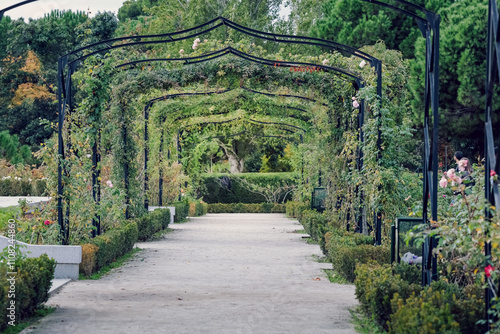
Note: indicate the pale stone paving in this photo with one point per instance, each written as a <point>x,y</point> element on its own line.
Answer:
<point>221,273</point>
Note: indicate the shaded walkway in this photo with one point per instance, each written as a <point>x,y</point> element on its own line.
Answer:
<point>221,273</point>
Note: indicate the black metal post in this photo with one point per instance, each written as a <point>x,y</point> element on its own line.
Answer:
<point>94,185</point>
<point>146,151</point>
<point>126,172</point>
<point>160,172</point>
<point>60,112</point>
<point>179,160</point>
<point>491,191</point>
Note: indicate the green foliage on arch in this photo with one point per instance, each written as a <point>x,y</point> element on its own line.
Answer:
<point>211,126</point>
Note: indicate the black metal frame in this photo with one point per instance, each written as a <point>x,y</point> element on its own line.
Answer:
<point>2,11</point>
<point>429,26</point>
<point>64,95</point>
<point>491,163</point>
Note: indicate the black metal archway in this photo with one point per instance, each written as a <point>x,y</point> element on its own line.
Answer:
<point>65,96</point>
<point>152,102</point>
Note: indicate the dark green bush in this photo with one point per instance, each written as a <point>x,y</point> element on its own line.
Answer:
<point>345,258</point>
<point>294,209</point>
<point>427,312</point>
<point>22,187</point>
<point>114,243</point>
<point>224,188</point>
<point>246,208</point>
<point>469,309</point>
<point>152,222</point>
<point>181,211</point>
<point>375,287</point>
<point>409,273</point>
<point>32,284</point>
<point>197,209</point>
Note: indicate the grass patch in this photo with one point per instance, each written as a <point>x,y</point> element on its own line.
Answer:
<point>300,231</point>
<point>39,314</point>
<point>8,213</point>
<point>116,264</point>
<point>364,324</point>
<point>311,241</point>
<point>333,277</point>
<point>320,259</point>
<point>159,235</point>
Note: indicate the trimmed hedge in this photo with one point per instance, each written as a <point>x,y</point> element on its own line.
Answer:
<point>294,209</point>
<point>223,188</point>
<point>197,209</point>
<point>376,286</point>
<point>151,223</point>
<point>32,284</point>
<point>22,187</point>
<point>393,297</point>
<point>181,211</point>
<point>114,243</point>
<point>246,208</point>
<point>344,259</point>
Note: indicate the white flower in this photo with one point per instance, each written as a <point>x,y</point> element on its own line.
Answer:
<point>181,52</point>
<point>362,64</point>
<point>30,180</point>
<point>88,155</point>
<point>355,104</point>
<point>205,40</point>
<point>325,61</point>
<point>195,44</point>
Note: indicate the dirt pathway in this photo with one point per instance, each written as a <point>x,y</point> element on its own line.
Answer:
<point>221,273</point>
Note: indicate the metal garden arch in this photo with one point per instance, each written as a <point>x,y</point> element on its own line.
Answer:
<point>65,95</point>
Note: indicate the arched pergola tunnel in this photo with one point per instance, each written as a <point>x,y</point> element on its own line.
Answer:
<point>190,60</point>
<point>244,89</point>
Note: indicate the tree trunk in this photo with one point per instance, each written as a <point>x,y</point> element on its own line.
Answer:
<point>237,164</point>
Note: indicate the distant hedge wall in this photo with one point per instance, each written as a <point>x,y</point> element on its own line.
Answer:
<point>223,188</point>
<point>246,208</point>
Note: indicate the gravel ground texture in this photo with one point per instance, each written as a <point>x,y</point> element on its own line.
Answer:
<point>220,273</point>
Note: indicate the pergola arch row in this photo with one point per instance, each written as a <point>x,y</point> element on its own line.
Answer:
<point>65,95</point>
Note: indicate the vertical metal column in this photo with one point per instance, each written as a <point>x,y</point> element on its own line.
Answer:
<point>146,151</point>
<point>126,172</point>
<point>491,163</point>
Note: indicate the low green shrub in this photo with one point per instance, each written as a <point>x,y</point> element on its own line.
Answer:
<point>152,222</point>
<point>375,287</point>
<point>114,243</point>
<point>427,312</point>
<point>32,284</point>
<point>22,187</point>
<point>198,209</point>
<point>246,208</point>
<point>345,258</point>
<point>181,211</point>
<point>409,273</point>
<point>294,209</point>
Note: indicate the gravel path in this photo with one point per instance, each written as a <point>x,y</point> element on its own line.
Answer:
<point>221,273</point>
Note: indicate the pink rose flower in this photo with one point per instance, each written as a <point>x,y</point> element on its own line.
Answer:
<point>47,222</point>
<point>355,104</point>
<point>443,182</point>
<point>492,173</point>
<point>109,184</point>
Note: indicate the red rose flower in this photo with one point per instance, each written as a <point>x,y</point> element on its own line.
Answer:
<point>493,173</point>
<point>488,270</point>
